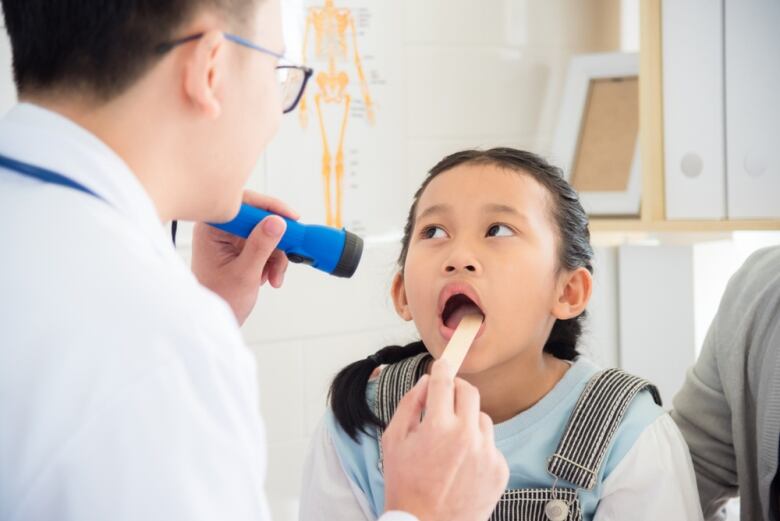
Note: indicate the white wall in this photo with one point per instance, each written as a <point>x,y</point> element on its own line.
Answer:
<point>7,89</point>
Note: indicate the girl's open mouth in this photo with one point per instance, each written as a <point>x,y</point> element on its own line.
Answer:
<point>455,308</point>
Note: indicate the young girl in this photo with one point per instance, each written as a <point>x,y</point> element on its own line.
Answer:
<point>501,233</point>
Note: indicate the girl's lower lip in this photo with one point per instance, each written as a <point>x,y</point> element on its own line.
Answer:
<point>447,332</point>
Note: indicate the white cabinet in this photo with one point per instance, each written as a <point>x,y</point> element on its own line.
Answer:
<point>668,295</point>
<point>692,47</point>
<point>657,335</point>
<point>721,78</point>
<point>752,58</point>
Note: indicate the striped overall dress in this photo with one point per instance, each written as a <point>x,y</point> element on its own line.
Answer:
<point>580,452</point>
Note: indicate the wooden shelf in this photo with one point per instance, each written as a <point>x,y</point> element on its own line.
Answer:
<point>651,124</point>
<point>651,140</point>
<point>598,225</point>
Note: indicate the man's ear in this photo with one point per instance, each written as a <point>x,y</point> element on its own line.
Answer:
<point>398,292</point>
<point>204,71</point>
<point>573,294</point>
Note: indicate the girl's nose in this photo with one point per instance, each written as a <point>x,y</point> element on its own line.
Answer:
<point>461,259</point>
<point>467,267</point>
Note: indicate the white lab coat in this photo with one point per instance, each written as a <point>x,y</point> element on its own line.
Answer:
<point>126,392</point>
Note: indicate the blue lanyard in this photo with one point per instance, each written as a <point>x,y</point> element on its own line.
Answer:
<point>49,176</point>
<point>42,174</point>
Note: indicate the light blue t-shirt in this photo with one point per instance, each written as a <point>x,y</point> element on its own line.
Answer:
<point>527,440</point>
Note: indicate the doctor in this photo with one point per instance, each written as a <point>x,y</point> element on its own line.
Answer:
<point>126,391</point>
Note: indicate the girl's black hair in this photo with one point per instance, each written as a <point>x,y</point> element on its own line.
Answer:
<point>348,391</point>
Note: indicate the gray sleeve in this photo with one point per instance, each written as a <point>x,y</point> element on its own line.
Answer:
<point>702,413</point>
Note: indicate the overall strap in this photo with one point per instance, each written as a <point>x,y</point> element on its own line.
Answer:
<point>533,504</point>
<point>395,381</point>
<point>592,425</point>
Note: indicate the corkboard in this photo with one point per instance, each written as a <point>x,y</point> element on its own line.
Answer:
<point>610,127</point>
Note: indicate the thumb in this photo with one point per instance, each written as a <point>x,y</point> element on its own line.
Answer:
<point>410,408</point>
<point>259,246</point>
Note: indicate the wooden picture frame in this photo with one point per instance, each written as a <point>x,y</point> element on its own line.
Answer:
<point>596,142</point>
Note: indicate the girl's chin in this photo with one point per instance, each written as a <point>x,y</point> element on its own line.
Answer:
<point>474,365</point>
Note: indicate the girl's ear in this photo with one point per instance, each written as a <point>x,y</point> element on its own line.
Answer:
<point>573,294</point>
<point>398,292</point>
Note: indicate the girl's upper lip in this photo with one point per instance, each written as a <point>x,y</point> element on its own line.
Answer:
<point>458,288</point>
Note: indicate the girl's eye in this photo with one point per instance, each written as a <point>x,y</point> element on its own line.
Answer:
<point>434,232</point>
<point>500,230</point>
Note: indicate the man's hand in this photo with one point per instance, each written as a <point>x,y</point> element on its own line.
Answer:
<point>447,466</point>
<point>235,268</point>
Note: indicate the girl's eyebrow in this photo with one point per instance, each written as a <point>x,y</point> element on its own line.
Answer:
<point>504,208</point>
<point>493,207</point>
<point>436,208</point>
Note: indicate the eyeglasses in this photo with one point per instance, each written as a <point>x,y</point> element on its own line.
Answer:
<point>292,78</point>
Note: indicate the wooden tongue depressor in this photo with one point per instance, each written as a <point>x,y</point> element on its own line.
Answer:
<point>461,340</point>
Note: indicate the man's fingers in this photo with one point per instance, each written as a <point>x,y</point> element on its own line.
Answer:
<point>276,268</point>
<point>486,427</point>
<point>467,402</point>
<point>440,404</point>
<point>407,415</point>
<point>270,203</point>
<point>259,247</point>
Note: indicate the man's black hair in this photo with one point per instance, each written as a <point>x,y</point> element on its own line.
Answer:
<point>99,47</point>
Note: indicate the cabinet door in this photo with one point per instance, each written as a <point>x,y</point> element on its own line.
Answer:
<point>657,320</point>
<point>752,65</point>
<point>694,148</point>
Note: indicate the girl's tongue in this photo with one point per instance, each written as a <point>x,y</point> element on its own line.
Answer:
<point>459,312</point>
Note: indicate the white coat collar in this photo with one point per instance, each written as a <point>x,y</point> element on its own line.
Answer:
<point>34,135</point>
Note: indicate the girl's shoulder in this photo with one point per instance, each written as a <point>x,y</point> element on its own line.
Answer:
<point>642,413</point>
